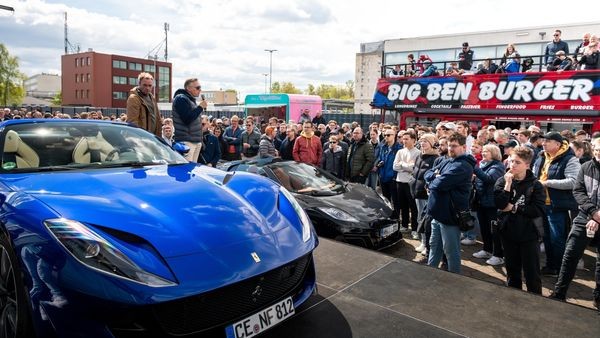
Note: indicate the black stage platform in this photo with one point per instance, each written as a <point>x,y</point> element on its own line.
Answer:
<point>367,294</point>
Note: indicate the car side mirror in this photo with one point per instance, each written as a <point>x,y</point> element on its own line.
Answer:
<point>181,148</point>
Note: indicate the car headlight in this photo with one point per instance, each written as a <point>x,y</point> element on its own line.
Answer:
<point>386,201</point>
<point>96,252</point>
<point>306,233</point>
<point>339,214</point>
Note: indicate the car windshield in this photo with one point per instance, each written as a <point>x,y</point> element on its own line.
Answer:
<point>305,179</point>
<point>65,145</point>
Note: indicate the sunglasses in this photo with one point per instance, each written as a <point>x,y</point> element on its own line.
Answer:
<point>198,87</point>
<point>386,135</point>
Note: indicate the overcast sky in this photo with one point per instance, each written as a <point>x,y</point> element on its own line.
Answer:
<point>222,42</point>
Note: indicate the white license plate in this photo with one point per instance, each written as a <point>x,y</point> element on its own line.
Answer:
<point>262,320</point>
<point>387,231</point>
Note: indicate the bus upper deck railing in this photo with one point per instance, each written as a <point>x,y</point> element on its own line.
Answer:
<point>531,62</point>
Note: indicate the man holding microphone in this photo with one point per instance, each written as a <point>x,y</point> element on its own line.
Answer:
<point>186,117</point>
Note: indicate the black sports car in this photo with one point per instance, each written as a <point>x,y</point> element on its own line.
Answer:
<point>348,212</point>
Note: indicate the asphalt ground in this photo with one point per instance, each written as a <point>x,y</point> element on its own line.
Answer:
<point>365,293</point>
<point>580,291</point>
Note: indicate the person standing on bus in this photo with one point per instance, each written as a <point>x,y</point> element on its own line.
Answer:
<point>554,46</point>
<point>465,57</point>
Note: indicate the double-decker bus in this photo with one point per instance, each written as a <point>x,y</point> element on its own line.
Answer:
<point>551,100</point>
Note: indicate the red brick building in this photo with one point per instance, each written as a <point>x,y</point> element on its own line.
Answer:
<point>104,80</point>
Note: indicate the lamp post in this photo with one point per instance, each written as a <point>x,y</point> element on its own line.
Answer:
<point>265,75</point>
<point>270,67</point>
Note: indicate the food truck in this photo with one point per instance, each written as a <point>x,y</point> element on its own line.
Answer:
<point>282,106</point>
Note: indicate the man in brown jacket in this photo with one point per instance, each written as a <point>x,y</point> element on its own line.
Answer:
<point>142,109</point>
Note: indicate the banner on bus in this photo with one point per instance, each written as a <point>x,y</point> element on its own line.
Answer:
<point>565,91</point>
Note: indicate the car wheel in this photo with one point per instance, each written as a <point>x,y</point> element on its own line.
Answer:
<point>14,312</point>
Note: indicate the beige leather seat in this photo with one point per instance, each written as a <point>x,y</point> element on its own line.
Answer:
<point>25,157</point>
<point>93,149</point>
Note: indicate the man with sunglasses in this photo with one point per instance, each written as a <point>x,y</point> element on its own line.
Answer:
<point>554,46</point>
<point>142,109</point>
<point>186,117</point>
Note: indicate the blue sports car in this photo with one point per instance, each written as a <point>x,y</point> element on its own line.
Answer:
<point>105,231</point>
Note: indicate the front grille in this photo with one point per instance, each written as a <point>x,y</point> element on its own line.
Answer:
<point>230,303</point>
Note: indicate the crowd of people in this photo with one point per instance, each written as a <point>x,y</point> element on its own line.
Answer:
<point>526,190</point>
<point>556,58</point>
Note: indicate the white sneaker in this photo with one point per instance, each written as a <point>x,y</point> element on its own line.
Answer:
<point>580,265</point>
<point>420,247</point>
<point>482,254</point>
<point>404,229</point>
<point>424,252</point>
<point>468,241</point>
<point>495,261</point>
<point>415,235</point>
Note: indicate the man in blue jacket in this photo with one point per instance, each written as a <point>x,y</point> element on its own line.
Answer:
<point>554,46</point>
<point>387,175</point>
<point>211,151</point>
<point>186,117</point>
<point>449,191</point>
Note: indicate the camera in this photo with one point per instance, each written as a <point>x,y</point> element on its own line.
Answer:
<point>380,164</point>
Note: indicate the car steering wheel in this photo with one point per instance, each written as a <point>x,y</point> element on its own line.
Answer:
<point>111,154</point>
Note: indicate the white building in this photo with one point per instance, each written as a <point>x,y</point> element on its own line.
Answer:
<point>43,85</point>
<point>530,41</point>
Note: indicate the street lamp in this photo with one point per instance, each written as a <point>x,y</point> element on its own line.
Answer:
<point>270,67</point>
<point>265,75</point>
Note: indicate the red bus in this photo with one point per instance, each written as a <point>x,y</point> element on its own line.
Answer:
<point>550,100</point>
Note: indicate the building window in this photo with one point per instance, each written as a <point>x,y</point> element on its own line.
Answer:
<point>87,94</point>
<point>76,78</point>
<point>119,80</point>
<point>119,95</point>
<point>164,76</point>
<point>133,81</point>
<point>76,94</point>
<point>81,94</point>
<point>149,68</point>
<point>119,64</point>
<point>89,61</point>
<point>135,66</point>
<point>81,78</point>
<point>76,62</point>
<point>89,77</point>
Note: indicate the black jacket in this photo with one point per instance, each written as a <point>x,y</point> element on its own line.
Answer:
<point>529,197</point>
<point>423,163</point>
<point>487,175</point>
<point>286,149</point>
<point>586,190</point>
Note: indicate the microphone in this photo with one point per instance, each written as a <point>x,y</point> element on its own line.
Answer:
<point>202,97</point>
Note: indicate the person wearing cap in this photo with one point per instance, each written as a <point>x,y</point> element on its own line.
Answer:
<point>319,119</point>
<point>585,229</point>
<point>430,69</point>
<point>554,46</point>
<point>556,168</point>
<point>465,57</point>
<point>562,62</point>
<point>448,128</point>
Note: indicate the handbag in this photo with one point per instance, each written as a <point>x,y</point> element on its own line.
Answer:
<point>466,221</point>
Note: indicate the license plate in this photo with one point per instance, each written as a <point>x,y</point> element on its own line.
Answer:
<point>387,231</point>
<point>262,320</point>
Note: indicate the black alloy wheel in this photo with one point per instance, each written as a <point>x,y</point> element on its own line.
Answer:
<point>8,296</point>
<point>14,313</point>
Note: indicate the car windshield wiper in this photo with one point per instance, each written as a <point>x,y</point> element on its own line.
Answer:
<point>135,164</point>
<point>49,168</point>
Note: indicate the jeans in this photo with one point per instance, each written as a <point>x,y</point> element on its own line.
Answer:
<point>445,239</point>
<point>491,242</point>
<point>472,234</point>
<point>523,256</point>
<point>372,180</point>
<point>194,152</point>
<point>555,236</point>
<point>576,244</point>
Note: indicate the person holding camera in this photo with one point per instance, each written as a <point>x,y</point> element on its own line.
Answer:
<point>449,190</point>
<point>521,199</point>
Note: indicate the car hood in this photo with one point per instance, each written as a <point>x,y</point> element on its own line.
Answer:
<point>358,200</point>
<point>179,209</point>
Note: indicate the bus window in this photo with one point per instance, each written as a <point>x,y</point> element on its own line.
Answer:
<point>422,121</point>
<point>560,126</point>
